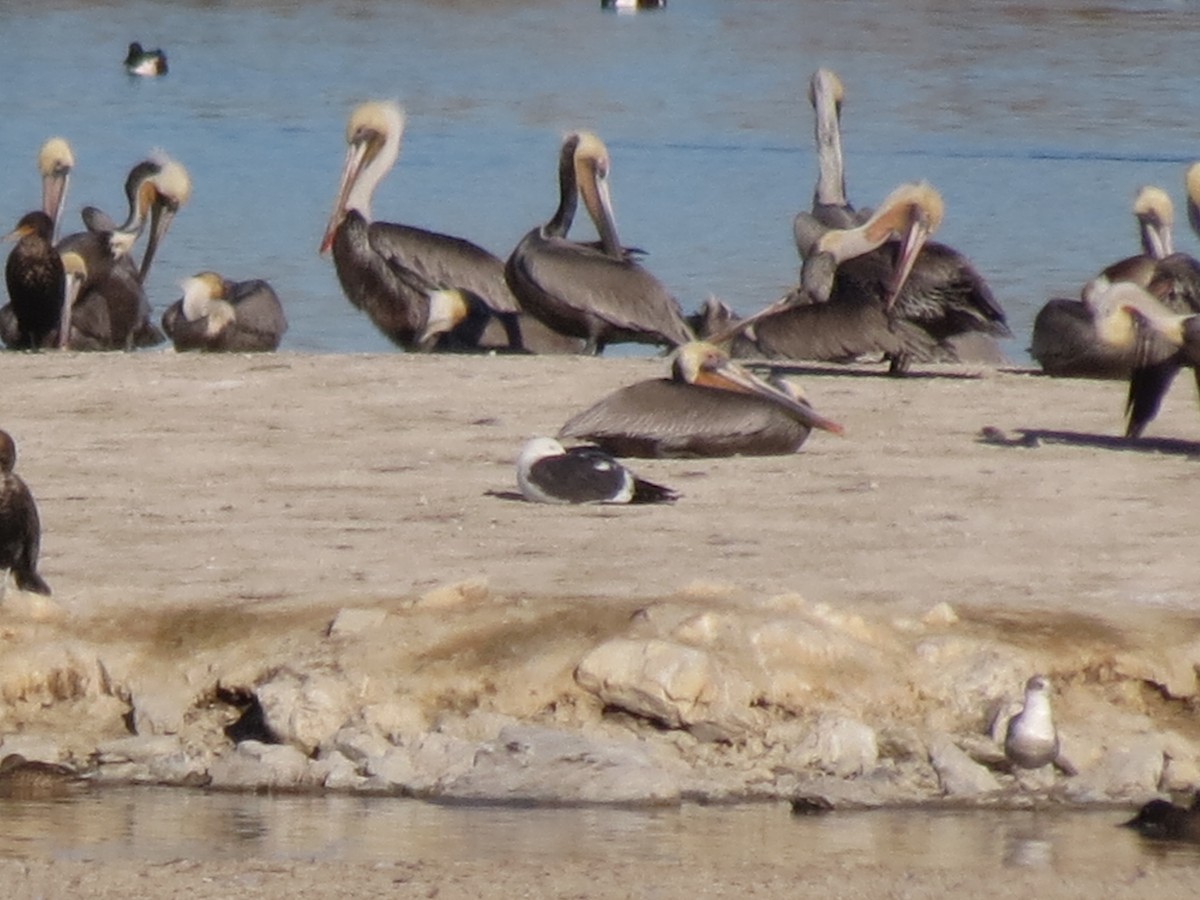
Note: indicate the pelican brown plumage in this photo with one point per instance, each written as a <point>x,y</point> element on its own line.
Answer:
<point>907,304</point>
<point>397,273</point>
<point>830,208</point>
<point>1163,341</point>
<point>1068,342</point>
<point>111,310</point>
<point>219,315</point>
<point>710,406</point>
<point>20,527</point>
<point>597,293</point>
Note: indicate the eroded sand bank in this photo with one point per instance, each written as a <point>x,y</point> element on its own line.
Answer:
<point>207,518</point>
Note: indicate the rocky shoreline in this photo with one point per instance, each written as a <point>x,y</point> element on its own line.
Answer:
<point>308,573</point>
<point>697,697</point>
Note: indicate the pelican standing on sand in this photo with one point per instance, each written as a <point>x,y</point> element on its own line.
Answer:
<point>710,406</point>
<point>218,315</point>
<point>830,209</point>
<point>20,527</point>
<point>596,293</point>
<point>403,277</point>
<point>1066,341</point>
<point>1163,341</point>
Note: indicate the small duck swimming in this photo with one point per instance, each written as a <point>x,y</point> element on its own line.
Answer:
<point>147,63</point>
<point>1163,820</point>
<point>31,779</point>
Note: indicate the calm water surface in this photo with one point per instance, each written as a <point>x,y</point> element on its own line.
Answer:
<point>163,824</point>
<point>1037,121</point>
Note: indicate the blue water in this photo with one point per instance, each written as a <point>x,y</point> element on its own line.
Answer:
<point>1037,121</point>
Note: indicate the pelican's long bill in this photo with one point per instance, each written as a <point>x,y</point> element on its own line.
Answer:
<point>355,155</point>
<point>707,366</point>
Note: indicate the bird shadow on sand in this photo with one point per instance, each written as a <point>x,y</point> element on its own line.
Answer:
<point>1031,438</point>
<point>505,495</point>
<point>853,370</point>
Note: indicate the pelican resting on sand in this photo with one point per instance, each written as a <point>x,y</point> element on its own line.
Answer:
<point>881,288</point>
<point>216,314</point>
<point>597,293</point>
<point>710,406</point>
<point>20,527</point>
<point>546,473</point>
<point>404,277</point>
<point>1066,341</point>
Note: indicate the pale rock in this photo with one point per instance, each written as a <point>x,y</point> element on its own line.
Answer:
<point>472,590</point>
<point>681,687</point>
<point>305,710</point>
<point>30,606</point>
<point>1181,768</point>
<point>336,772</point>
<point>1128,770</point>
<point>160,706</point>
<point>1174,668</point>
<point>179,768</point>
<point>843,746</point>
<point>357,743</point>
<point>703,629</point>
<point>941,615</point>
<point>142,749</point>
<point>531,764</point>
<point>32,746</point>
<point>417,766</point>
<point>350,621</point>
<point>396,719</point>
<point>256,765</point>
<point>958,774</point>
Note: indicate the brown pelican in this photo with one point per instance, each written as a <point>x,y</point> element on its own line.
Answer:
<point>600,293</point>
<point>1066,340</point>
<point>1162,340</point>
<point>55,162</point>
<point>710,406</point>
<point>147,63</point>
<point>546,473</point>
<point>830,208</point>
<point>216,314</point>
<point>393,272</point>
<point>111,311</point>
<point>20,528</point>
<point>909,303</point>
<point>34,275</point>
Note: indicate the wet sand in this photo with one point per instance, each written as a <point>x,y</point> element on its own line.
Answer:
<point>297,485</point>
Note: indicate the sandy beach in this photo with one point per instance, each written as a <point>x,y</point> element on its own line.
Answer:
<point>202,507</point>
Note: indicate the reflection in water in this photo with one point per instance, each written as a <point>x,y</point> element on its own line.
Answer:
<point>158,825</point>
